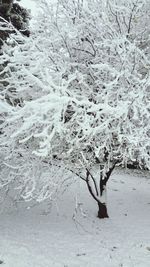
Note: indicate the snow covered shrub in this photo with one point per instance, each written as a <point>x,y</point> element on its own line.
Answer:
<point>84,85</point>
<point>15,14</point>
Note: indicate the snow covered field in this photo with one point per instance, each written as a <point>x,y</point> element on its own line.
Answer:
<point>37,237</point>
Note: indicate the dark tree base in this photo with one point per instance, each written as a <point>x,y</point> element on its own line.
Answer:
<point>102,211</point>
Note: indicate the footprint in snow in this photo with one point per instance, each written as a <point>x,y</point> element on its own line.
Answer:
<point>80,254</point>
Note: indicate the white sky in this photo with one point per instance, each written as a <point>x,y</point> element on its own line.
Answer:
<point>30,4</point>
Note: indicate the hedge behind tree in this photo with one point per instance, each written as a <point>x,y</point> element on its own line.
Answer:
<point>17,15</point>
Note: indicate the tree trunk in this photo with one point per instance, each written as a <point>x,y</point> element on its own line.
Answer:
<point>99,194</point>
<point>102,211</point>
<point>102,207</point>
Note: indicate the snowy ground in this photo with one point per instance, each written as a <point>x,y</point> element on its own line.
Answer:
<point>35,238</point>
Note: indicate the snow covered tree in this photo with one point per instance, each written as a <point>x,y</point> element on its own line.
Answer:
<point>13,18</point>
<point>84,85</point>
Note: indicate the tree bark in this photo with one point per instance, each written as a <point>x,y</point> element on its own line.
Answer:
<point>102,211</point>
<point>102,207</point>
<point>99,194</point>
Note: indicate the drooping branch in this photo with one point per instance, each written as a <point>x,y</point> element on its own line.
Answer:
<point>66,168</point>
<point>90,187</point>
<point>95,185</point>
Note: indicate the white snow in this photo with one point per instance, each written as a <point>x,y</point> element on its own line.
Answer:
<point>4,107</point>
<point>72,236</point>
